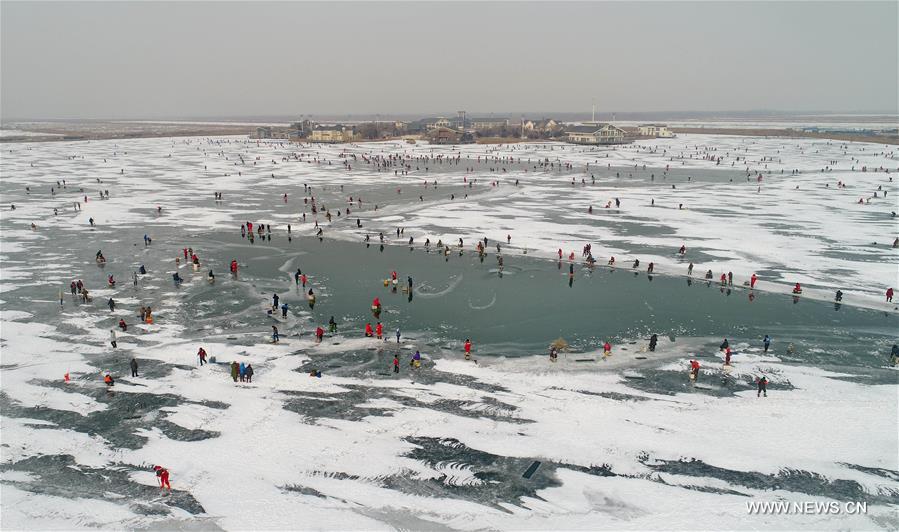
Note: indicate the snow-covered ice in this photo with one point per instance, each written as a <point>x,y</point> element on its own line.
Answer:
<point>623,443</point>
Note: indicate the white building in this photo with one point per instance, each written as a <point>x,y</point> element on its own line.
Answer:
<point>597,133</point>
<point>655,130</point>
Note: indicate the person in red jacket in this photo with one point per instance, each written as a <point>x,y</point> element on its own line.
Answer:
<point>202,355</point>
<point>379,330</point>
<point>467,348</point>
<point>376,303</point>
<point>727,356</point>
<point>797,289</point>
<point>234,266</point>
<point>606,349</point>
<point>694,369</point>
<point>752,280</point>
<point>319,333</point>
<point>723,278</point>
<point>368,330</point>
<point>162,475</point>
<point>889,295</point>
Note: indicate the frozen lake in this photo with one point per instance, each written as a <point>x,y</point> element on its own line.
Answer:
<point>627,441</point>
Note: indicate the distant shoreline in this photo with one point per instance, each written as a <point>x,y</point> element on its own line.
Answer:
<point>158,130</point>
<point>790,133</point>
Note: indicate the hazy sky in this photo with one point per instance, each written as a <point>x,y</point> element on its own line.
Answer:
<point>158,59</point>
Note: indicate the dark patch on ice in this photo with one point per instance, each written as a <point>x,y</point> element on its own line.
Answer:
<point>495,478</point>
<point>794,480</point>
<point>615,396</point>
<point>710,382</point>
<point>126,413</point>
<point>350,405</point>
<point>62,476</point>
<point>377,363</point>
<point>888,474</point>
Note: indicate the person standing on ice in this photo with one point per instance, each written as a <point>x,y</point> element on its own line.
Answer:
<point>275,336</point>
<point>275,301</point>
<point>296,276</point>
<point>762,386</point>
<point>889,295</point>
<point>248,373</point>
<point>284,309</point>
<point>134,367</point>
<point>752,280</point>
<point>112,338</point>
<point>379,330</point>
<point>332,325</point>
<point>201,354</point>
<point>162,475</point>
<point>767,342</point>
<point>235,371</point>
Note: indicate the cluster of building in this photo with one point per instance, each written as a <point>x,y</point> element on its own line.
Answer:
<point>462,129</point>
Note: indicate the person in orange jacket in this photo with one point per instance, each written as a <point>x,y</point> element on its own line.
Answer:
<point>694,369</point>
